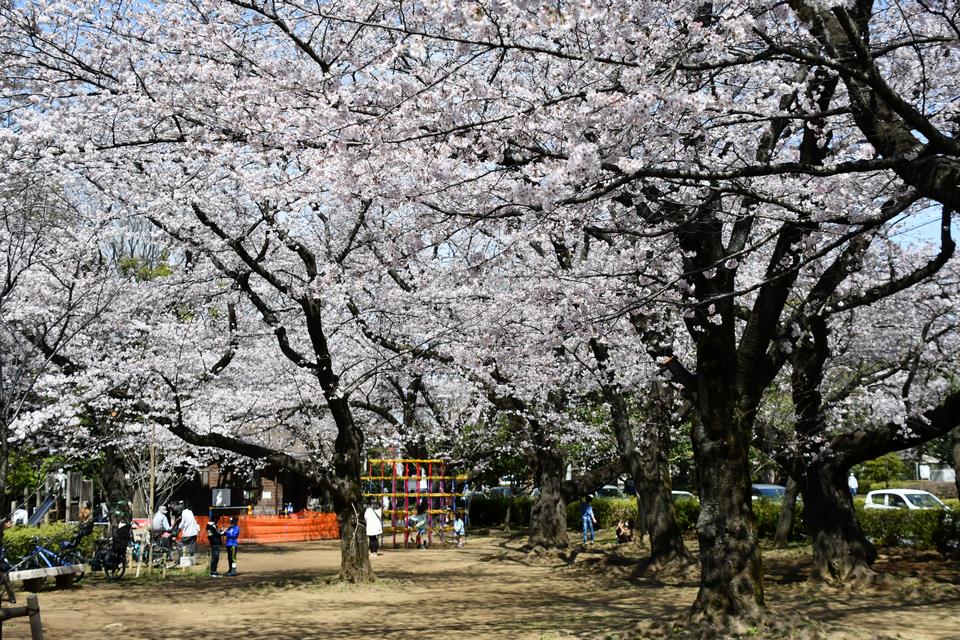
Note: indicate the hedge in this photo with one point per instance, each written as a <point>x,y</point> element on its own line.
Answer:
<point>492,511</point>
<point>18,541</point>
<point>921,529</point>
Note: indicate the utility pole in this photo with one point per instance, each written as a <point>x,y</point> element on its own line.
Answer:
<point>153,475</point>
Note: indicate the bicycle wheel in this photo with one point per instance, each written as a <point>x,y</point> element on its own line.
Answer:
<point>161,556</point>
<point>173,559</point>
<point>114,570</point>
<point>73,557</point>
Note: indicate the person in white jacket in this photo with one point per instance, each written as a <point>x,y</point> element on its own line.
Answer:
<point>190,529</point>
<point>374,521</point>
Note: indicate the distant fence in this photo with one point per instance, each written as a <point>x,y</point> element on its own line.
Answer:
<point>297,527</point>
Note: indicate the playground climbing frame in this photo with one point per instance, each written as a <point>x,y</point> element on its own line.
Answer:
<point>400,484</point>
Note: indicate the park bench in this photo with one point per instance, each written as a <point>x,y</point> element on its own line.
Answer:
<point>33,579</point>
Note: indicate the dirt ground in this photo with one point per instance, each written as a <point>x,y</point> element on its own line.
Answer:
<point>487,590</point>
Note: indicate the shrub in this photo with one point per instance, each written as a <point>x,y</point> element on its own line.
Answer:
<point>18,541</point>
<point>896,527</point>
<point>492,511</point>
<point>947,536</point>
<point>687,512</point>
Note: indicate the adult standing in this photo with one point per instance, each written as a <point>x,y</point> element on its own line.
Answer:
<point>853,484</point>
<point>215,538</point>
<point>190,529</point>
<point>586,514</point>
<point>374,521</point>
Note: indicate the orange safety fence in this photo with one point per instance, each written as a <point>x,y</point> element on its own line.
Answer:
<point>297,527</point>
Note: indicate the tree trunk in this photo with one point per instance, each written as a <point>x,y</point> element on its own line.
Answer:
<point>651,475</point>
<point>841,552</point>
<point>114,485</point>
<point>785,523</point>
<point>354,552</point>
<point>731,568</point>
<point>548,516</point>
<point>956,458</point>
<point>348,494</point>
<point>648,466</point>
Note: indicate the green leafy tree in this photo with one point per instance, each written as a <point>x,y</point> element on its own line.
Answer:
<point>884,469</point>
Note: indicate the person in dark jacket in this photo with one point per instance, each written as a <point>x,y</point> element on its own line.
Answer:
<point>232,535</point>
<point>215,537</point>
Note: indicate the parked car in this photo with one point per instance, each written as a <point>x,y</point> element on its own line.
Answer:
<point>910,499</point>
<point>774,492</point>
<point>683,495</point>
<point>500,492</point>
<point>608,491</point>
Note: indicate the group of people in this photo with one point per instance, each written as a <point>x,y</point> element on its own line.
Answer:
<point>217,538</point>
<point>624,530</point>
<point>185,524</point>
<point>373,521</point>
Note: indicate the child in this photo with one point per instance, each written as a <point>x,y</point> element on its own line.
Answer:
<point>586,514</point>
<point>232,534</point>
<point>215,538</point>
<point>625,531</point>
<point>420,522</point>
<point>459,531</point>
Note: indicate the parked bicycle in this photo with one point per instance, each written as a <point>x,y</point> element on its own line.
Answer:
<point>110,555</point>
<point>39,557</point>
<point>166,552</point>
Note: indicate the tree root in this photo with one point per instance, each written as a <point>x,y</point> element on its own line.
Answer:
<point>763,624</point>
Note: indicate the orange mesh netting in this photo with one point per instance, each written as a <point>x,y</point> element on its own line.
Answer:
<point>297,527</point>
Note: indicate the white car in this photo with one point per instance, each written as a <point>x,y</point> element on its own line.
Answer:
<point>902,499</point>
<point>683,495</point>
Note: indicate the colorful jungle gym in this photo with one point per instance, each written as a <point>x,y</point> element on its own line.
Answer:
<point>401,484</point>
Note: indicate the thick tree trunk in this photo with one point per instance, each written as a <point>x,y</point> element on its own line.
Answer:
<point>648,466</point>
<point>354,552</point>
<point>548,516</point>
<point>841,552</point>
<point>348,494</point>
<point>956,458</point>
<point>785,523</point>
<point>651,475</point>
<point>731,568</point>
<point>114,485</point>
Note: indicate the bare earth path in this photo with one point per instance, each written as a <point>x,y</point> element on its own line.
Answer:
<point>487,590</point>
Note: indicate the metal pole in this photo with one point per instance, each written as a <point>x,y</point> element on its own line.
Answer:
<point>153,507</point>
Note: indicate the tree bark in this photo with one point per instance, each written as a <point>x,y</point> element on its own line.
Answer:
<point>548,516</point>
<point>785,523</point>
<point>354,553</point>
<point>348,493</point>
<point>731,568</point>
<point>956,459</point>
<point>648,466</point>
<point>113,483</point>
<point>841,553</point>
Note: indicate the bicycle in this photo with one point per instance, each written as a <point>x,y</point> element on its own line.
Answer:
<point>39,557</point>
<point>166,552</point>
<point>110,555</point>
